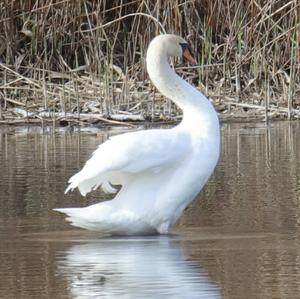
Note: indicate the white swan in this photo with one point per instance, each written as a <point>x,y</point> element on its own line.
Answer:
<point>160,170</point>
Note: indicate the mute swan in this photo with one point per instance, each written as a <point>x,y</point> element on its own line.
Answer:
<point>160,170</point>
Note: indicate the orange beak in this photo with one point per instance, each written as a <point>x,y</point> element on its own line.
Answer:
<point>187,55</point>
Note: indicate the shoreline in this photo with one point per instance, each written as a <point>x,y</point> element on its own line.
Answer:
<point>101,121</point>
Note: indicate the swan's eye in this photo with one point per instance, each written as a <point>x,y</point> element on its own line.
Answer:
<point>184,46</point>
<point>187,53</point>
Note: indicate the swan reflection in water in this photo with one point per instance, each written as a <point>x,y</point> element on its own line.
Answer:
<point>134,267</point>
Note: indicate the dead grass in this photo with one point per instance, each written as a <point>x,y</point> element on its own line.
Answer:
<point>88,56</point>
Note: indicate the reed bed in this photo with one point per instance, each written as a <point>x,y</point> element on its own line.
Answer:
<point>63,59</point>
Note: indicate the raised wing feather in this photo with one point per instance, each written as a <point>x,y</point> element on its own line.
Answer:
<point>130,153</point>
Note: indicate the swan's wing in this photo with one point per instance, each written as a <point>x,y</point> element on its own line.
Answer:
<point>130,153</point>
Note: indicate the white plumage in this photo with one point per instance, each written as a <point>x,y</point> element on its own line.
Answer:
<point>160,170</point>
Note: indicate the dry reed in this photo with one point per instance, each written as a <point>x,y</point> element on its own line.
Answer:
<point>88,56</point>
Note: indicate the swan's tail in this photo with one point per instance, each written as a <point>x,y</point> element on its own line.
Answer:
<point>77,218</point>
<point>106,221</point>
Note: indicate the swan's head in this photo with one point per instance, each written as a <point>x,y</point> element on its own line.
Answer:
<point>173,46</point>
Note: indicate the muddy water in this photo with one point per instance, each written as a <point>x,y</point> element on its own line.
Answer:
<point>239,238</point>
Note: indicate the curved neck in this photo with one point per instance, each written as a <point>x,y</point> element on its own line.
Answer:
<point>197,110</point>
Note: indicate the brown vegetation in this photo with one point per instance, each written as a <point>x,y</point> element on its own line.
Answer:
<point>88,56</point>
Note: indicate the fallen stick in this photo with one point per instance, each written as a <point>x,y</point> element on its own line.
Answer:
<point>21,121</point>
<point>14,102</point>
<point>2,65</point>
<point>113,122</point>
<point>113,118</point>
<point>259,107</point>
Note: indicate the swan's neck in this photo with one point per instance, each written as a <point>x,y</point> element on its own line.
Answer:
<point>198,112</point>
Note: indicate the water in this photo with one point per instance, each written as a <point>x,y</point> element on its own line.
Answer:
<point>238,239</point>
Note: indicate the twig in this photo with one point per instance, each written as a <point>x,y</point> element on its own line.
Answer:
<point>20,76</point>
<point>126,16</point>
